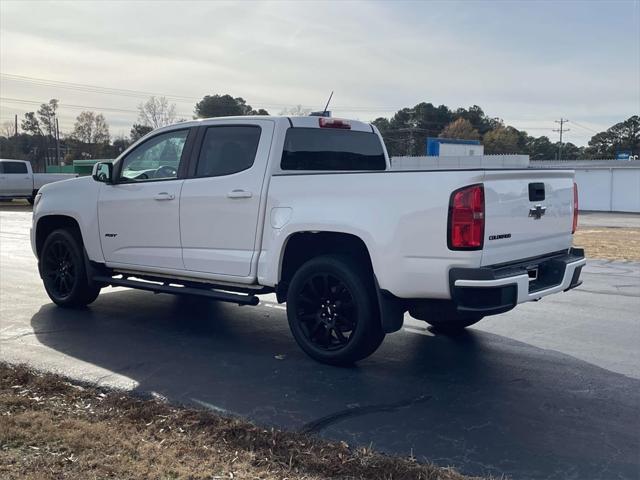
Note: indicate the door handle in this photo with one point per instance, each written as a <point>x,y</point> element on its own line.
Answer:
<point>164,196</point>
<point>239,194</point>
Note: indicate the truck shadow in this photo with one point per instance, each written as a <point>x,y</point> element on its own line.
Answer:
<point>483,403</point>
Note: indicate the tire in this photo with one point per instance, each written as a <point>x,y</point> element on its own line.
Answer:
<point>453,324</point>
<point>63,270</point>
<point>333,312</point>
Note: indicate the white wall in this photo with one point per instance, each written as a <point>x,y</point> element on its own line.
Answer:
<point>603,185</point>
<point>464,161</point>
<point>460,150</point>
<point>609,189</point>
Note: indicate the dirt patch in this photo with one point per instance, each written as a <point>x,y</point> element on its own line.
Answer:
<point>51,428</point>
<point>609,243</point>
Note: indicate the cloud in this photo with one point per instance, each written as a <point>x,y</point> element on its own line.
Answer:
<point>520,62</point>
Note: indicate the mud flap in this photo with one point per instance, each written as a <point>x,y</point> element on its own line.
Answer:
<point>391,310</point>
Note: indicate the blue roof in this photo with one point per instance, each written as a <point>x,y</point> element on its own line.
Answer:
<point>452,140</point>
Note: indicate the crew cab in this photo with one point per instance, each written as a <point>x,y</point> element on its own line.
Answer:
<point>17,180</point>
<point>309,208</point>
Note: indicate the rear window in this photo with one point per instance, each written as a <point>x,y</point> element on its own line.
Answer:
<point>13,167</point>
<point>331,149</point>
<point>227,150</point>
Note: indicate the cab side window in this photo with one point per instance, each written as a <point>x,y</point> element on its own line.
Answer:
<point>156,159</point>
<point>227,149</point>
<point>13,167</point>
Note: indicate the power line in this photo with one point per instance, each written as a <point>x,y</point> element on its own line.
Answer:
<point>22,101</point>
<point>91,88</point>
<point>87,88</point>
<point>583,127</point>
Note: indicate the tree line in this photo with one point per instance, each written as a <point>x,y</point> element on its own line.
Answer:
<point>39,140</point>
<point>405,133</point>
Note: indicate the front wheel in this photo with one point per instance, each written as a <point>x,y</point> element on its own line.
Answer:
<point>63,271</point>
<point>332,310</point>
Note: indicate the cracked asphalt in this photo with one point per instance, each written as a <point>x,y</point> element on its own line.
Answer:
<point>550,390</point>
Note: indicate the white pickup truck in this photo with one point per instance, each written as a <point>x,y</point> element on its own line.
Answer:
<point>17,180</point>
<point>308,208</point>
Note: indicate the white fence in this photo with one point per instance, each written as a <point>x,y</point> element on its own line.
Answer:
<point>453,162</point>
<point>604,185</point>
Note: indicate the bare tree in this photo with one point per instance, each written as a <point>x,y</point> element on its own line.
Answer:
<point>8,129</point>
<point>297,111</point>
<point>91,128</point>
<point>157,112</point>
<point>101,132</point>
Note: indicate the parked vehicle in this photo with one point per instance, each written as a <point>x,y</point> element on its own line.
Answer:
<point>17,180</point>
<point>308,208</point>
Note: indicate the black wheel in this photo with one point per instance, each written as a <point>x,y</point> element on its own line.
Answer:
<point>332,310</point>
<point>453,324</point>
<point>63,271</point>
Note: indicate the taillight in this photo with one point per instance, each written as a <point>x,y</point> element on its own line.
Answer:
<point>575,208</point>
<point>325,122</point>
<point>466,218</point>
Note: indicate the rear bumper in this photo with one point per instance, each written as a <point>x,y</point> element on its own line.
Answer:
<point>493,290</point>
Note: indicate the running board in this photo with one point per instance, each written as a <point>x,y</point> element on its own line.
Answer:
<point>157,288</point>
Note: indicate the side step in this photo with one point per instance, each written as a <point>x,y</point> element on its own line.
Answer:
<point>158,288</point>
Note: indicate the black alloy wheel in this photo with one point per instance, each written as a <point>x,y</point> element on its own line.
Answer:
<point>326,312</point>
<point>63,270</point>
<point>332,310</point>
<point>58,269</point>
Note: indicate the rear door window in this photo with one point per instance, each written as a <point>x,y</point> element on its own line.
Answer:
<point>14,167</point>
<point>331,149</point>
<point>227,150</point>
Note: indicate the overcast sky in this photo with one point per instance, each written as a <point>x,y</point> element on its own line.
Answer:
<point>529,63</point>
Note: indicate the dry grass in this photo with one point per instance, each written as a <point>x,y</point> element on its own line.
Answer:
<point>609,243</point>
<point>51,429</point>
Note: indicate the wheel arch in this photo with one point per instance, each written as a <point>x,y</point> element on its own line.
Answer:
<point>302,246</point>
<point>48,223</point>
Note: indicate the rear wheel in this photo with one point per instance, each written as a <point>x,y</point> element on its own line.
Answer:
<point>332,310</point>
<point>63,271</point>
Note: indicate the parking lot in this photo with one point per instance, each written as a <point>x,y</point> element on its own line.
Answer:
<point>549,390</point>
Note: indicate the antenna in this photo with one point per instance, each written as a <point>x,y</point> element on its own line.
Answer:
<point>327,105</point>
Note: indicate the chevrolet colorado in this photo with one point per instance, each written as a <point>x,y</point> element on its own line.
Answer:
<point>308,208</point>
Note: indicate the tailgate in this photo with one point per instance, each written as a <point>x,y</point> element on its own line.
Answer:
<point>528,213</point>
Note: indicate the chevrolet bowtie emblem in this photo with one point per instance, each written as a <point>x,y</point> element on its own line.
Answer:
<point>537,212</point>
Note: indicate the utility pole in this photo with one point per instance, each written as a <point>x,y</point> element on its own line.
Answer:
<point>562,121</point>
<point>57,142</point>
<point>15,133</point>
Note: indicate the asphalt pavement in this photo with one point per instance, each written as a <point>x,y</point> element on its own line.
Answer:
<point>550,390</point>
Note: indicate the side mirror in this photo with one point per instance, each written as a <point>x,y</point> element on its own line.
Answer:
<point>102,172</point>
